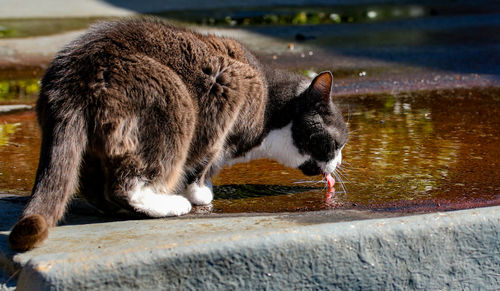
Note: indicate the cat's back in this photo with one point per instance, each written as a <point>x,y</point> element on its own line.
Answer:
<point>195,58</point>
<point>127,38</point>
<point>160,40</point>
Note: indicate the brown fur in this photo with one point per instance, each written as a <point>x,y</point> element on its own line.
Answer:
<point>28,232</point>
<point>142,101</point>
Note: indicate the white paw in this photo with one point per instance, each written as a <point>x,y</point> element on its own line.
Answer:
<point>144,200</point>
<point>199,195</point>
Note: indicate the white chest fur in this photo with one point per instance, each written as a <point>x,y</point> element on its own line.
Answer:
<point>277,145</point>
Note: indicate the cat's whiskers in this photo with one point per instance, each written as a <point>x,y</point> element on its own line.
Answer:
<point>340,180</point>
<point>320,181</point>
<point>308,182</point>
<point>343,168</point>
<point>342,175</point>
<point>348,166</point>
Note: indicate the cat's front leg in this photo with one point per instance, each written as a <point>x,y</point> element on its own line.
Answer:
<point>200,194</point>
<point>199,190</point>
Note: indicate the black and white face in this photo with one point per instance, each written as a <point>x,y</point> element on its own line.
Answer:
<point>319,132</point>
<point>314,140</point>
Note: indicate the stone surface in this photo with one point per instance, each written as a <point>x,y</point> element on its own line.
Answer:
<point>452,250</point>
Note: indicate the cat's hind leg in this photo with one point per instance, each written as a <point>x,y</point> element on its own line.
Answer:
<point>127,194</point>
<point>144,176</point>
<point>146,199</point>
<point>146,149</point>
<point>132,186</point>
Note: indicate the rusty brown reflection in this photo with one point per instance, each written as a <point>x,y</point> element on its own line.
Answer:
<point>422,151</point>
<point>19,148</point>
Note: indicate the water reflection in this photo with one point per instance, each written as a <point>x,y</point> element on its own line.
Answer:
<point>414,151</point>
<point>19,148</point>
<point>19,91</point>
<point>6,130</point>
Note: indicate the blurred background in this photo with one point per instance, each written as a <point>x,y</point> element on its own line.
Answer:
<point>417,80</point>
<point>355,39</point>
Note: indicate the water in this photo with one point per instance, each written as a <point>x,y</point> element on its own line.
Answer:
<point>422,151</point>
<point>19,91</point>
<point>19,149</point>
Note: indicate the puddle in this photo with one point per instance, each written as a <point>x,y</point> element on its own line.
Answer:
<point>19,149</point>
<point>422,151</point>
<point>19,91</point>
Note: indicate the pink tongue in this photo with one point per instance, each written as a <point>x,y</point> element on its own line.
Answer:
<point>331,182</point>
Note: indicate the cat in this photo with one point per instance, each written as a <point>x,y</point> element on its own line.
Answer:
<point>138,115</point>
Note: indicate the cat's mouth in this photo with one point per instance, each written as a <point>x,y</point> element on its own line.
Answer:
<point>331,182</point>
<point>311,168</point>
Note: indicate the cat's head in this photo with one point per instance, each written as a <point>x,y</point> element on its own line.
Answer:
<point>318,130</point>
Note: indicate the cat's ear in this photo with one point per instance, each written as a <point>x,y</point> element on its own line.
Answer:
<point>323,84</point>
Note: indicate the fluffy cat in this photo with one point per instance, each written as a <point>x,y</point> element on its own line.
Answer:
<point>139,115</point>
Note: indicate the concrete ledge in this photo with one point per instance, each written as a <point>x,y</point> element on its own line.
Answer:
<point>453,250</point>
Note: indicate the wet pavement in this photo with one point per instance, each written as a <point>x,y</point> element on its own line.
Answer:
<point>420,151</point>
<point>417,151</point>
<point>420,91</point>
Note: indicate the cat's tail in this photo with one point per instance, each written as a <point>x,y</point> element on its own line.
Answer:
<point>63,145</point>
